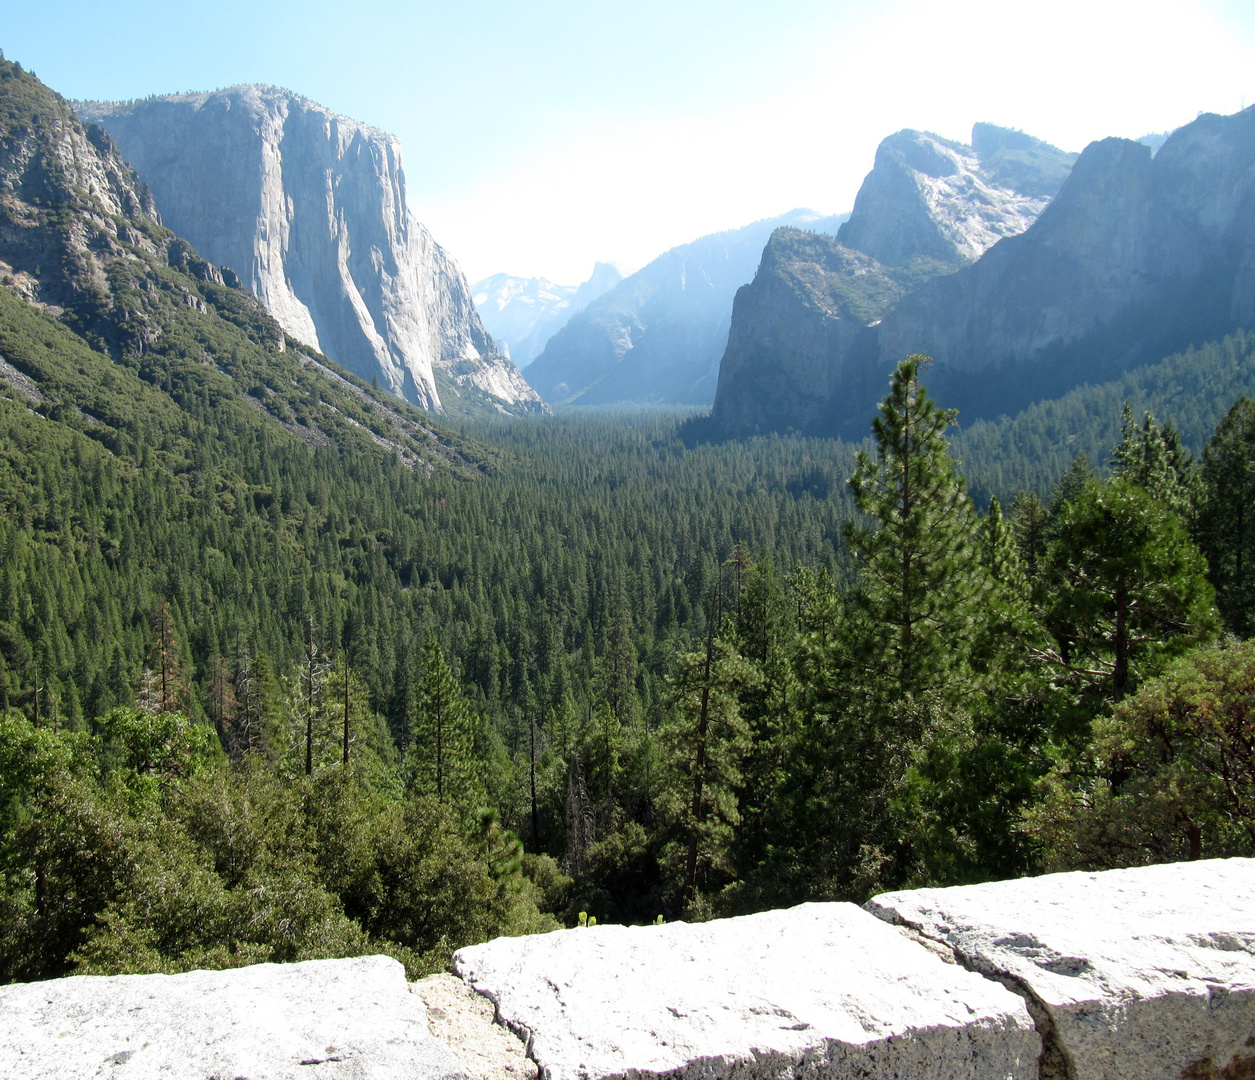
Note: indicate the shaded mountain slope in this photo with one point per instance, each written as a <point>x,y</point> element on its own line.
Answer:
<point>522,314</point>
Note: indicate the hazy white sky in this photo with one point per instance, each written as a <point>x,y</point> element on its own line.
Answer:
<point>541,136</point>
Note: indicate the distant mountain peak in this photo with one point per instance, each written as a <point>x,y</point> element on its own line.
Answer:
<point>657,336</point>
<point>523,313</point>
<point>1135,257</point>
<point>935,198</point>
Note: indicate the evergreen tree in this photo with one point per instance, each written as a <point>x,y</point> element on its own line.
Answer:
<point>919,587</point>
<point>1130,587</point>
<point>1227,521</point>
<point>442,733</point>
<point>708,738</point>
<point>1029,520</point>
<point>1153,458</point>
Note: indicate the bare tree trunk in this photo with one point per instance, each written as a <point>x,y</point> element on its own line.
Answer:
<point>1120,676</point>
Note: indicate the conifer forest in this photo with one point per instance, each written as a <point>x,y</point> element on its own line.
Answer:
<point>291,669</point>
<point>262,702</point>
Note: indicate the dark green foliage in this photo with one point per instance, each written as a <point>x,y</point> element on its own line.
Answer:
<point>918,591</point>
<point>442,736</point>
<point>1169,776</point>
<point>1130,590</point>
<point>1226,527</point>
<point>141,850</point>
<point>1033,449</point>
<point>216,549</point>
<point>706,741</point>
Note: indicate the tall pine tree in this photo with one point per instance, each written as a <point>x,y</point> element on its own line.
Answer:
<point>920,586</point>
<point>1227,522</point>
<point>442,761</point>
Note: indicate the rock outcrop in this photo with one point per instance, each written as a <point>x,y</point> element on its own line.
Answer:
<point>932,197</point>
<point>821,989</point>
<point>522,314</point>
<point>1142,974</point>
<point>325,1018</point>
<point>658,335</point>
<point>309,210</point>
<point>82,245</point>
<point>1134,974</point>
<point>796,328</point>
<point>1138,256</point>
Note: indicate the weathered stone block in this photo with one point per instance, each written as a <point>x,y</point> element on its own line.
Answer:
<point>1142,973</point>
<point>817,990</point>
<point>319,1020</point>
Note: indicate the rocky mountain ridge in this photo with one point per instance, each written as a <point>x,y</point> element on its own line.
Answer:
<point>1136,257</point>
<point>522,314</point>
<point>933,197</point>
<point>657,336</point>
<point>928,207</point>
<point>309,209</point>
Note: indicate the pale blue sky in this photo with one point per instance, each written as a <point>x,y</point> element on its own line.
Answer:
<point>541,136</point>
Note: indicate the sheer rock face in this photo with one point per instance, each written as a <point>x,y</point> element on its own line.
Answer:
<point>1136,258</point>
<point>1142,974</point>
<point>928,207</point>
<point>308,208</point>
<point>657,336</point>
<point>817,990</point>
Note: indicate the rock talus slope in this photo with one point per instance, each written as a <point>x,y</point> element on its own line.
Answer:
<point>309,209</point>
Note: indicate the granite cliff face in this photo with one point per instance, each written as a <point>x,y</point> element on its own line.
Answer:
<point>309,209</point>
<point>106,311</point>
<point>1137,257</point>
<point>69,204</point>
<point>927,196</point>
<point>658,335</point>
<point>522,314</point>
<point>928,207</point>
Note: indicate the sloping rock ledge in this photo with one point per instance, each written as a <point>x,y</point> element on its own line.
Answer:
<point>1139,974</point>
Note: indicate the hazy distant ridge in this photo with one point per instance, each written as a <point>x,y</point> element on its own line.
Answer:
<point>658,335</point>
<point>522,314</point>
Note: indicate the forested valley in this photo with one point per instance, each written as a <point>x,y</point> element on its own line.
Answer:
<point>267,700</point>
<point>290,669</point>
